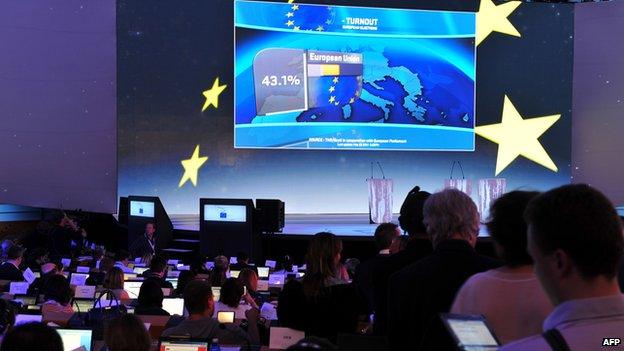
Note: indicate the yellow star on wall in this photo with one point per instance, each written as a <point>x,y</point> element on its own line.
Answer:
<point>212,95</point>
<point>191,167</point>
<point>492,18</point>
<point>516,136</point>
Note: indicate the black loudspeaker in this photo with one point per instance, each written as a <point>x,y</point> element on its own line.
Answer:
<point>269,216</point>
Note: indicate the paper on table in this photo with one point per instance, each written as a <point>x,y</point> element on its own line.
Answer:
<point>283,338</point>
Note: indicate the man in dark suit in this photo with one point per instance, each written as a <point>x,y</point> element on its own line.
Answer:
<point>242,262</point>
<point>158,272</point>
<point>363,279</point>
<point>9,270</point>
<point>422,290</point>
<point>146,243</point>
<point>418,246</point>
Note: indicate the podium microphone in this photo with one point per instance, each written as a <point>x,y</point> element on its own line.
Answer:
<point>381,169</point>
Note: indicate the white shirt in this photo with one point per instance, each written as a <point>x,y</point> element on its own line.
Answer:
<point>514,304</point>
<point>583,323</point>
<point>239,312</point>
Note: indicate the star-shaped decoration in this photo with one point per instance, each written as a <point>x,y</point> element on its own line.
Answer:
<point>296,28</point>
<point>332,88</point>
<point>289,14</point>
<point>352,100</point>
<point>493,18</point>
<point>516,136</point>
<point>212,95</point>
<point>191,167</point>
<point>294,7</point>
<point>332,99</point>
<point>335,80</point>
<point>320,29</point>
<point>290,23</point>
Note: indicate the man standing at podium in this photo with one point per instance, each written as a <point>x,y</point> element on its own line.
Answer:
<point>146,243</point>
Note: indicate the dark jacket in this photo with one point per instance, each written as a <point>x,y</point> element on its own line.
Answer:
<point>143,246</point>
<point>363,282</point>
<point>416,249</point>
<point>9,272</point>
<point>422,290</point>
<point>96,278</point>
<point>150,311</point>
<point>334,312</point>
<point>162,282</point>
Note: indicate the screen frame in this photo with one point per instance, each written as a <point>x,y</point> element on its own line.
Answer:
<point>445,317</point>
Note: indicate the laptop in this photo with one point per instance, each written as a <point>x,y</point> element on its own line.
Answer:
<point>76,338</point>
<point>132,288</point>
<point>263,272</point>
<point>173,305</point>
<point>78,278</point>
<point>83,305</point>
<point>25,299</point>
<point>27,318</point>
<point>139,270</point>
<point>234,274</point>
<point>172,344</point>
<point>470,332</point>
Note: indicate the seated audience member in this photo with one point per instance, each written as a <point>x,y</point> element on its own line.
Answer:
<point>509,297</point>
<point>398,244</point>
<point>219,273</point>
<point>96,277</point>
<point>114,281</point>
<point>422,290</point>
<point>242,262</point>
<point>575,239</point>
<point>351,265</point>
<point>57,295</point>
<point>32,336</point>
<point>36,258</point>
<point>287,265</point>
<point>7,317</point>
<point>418,246</point>
<point>321,304</point>
<point>363,280</point>
<point>47,270</point>
<point>199,303</point>
<point>198,265</point>
<point>122,259</point>
<point>249,279</point>
<point>158,272</point>
<point>150,300</point>
<point>9,270</point>
<point>183,279</point>
<point>126,333</point>
<point>145,244</point>
<point>231,295</point>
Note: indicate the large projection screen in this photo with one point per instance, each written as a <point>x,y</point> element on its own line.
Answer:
<point>58,128</point>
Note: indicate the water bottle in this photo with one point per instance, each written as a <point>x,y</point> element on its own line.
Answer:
<point>214,345</point>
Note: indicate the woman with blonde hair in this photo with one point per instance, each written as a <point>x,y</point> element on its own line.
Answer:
<point>114,281</point>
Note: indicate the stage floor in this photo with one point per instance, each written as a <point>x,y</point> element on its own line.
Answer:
<point>302,224</point>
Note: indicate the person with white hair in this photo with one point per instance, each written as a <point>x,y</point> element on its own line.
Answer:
<point>422,290</point>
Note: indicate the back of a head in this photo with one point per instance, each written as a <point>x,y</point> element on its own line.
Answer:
<point>150,294</point>
<point>246,275</point>
<point>126,333</point>
<point>7,316</point>
<point>231,292</point>
<point>242,257</point>
<point>196,296</point>
<point>451,213</point>
<point>411,214</point>
<point>114,279</point>
<point>158,264</point>
<point>122,255</point>
<point>583,223</point>
<point>384,234</point>
<point>221,263</point>
<point>106,264</point>
<point>57,288</point>
<point>322,251</point>
<point>32,336</point>
<point>14,252</point>
<point>508,228</point>
<point>183,279</point>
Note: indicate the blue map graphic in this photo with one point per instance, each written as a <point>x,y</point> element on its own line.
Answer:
<point>398,90</point>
